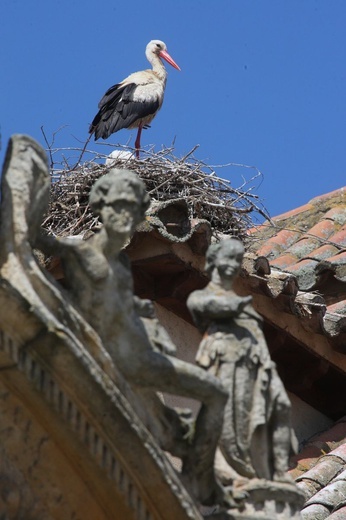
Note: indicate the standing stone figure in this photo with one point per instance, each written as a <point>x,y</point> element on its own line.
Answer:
<point>256,435</point>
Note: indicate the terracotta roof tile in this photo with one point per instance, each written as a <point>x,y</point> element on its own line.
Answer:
<point>315,512</point>
<point>320,475</point>
<point>336,262</point>
<point>323,229</point>
<point>284,261</point>
<point>329,201</point>
<point>324,482</point>
<point>324,252</point>
<point>309,487</point>
<point>339,237</point>
<point>305,272</point>
<point>340,193</point>
<point>340,514</point>
<point>309,243</point>
<point>330,496</point>
<point>294,212</point>
<point>339,452</point>
<point>304,247</point>
<point>304,461</point>
<point>338,214</point>
<point>283,239</point>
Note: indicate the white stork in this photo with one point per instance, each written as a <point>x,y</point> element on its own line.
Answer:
<point>135,101</point>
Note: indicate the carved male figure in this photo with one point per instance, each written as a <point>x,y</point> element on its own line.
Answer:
<point>256,435</point>
<point>100,281</point>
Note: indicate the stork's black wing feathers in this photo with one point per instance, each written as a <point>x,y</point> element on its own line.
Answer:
<point>117,110</point>
<point>112,94</point>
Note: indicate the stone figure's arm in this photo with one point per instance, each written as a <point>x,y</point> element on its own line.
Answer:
<point>76,253</point>
<point>216,305</point>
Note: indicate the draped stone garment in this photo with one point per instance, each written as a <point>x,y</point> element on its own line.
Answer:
<point>235,350</point>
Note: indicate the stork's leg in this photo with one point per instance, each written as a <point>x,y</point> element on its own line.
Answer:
<point>138,140</point>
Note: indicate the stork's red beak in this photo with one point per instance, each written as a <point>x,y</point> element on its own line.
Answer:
<point>166,56</point>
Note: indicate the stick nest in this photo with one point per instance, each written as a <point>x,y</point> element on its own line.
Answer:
<point>230,210</point>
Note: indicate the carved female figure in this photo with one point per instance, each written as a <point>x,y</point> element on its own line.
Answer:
<point>256,435</point>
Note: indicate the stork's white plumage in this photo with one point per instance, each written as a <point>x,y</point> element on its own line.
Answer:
<point>135,101</point>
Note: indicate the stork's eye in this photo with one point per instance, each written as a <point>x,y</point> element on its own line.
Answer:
<point>158,46</point>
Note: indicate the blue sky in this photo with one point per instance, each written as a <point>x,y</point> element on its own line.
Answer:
<point>263,82</point>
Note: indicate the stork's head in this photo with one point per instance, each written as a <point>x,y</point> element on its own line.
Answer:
<point>159,48</point>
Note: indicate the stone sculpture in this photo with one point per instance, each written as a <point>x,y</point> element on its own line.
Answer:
<point>53,365</point>
<point>256,438</point>
<point>234,349</point>
<point>99,281</point>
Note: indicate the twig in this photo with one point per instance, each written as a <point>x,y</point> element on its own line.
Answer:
<point>82,152</point>
<point>48,147</point>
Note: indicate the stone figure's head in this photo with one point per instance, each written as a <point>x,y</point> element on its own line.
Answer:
<point>225,256</point>
<point>120,200</point>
